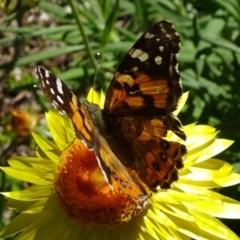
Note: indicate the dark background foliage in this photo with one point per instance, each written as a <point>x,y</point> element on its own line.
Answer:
<point>64,37</point>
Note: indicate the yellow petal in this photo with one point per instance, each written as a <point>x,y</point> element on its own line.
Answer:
<point>216,147</point>
<point>48,147</point>
<point>93,96</point>
<point>61,129</point>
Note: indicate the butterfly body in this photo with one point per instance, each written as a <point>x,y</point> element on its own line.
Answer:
<point>111,146</point>
<point>127,135</point>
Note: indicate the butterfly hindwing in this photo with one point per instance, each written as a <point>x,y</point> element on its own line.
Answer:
<point>156,160</point>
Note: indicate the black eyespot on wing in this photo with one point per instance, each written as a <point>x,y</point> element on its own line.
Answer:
<point>163,156</point>
<point>156,166</point>
<point>165,145</point>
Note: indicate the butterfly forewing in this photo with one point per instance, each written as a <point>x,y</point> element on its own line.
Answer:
<point>147,80</point>
<point>66,102</point>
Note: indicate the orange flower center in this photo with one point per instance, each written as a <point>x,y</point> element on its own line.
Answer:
<point>84,194</point>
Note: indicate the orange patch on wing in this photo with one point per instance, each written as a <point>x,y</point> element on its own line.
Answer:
<point>151,87</point>
<point>160,101</point>
<point>124,78</point>
<point>80,123</point>
<point>158,89</point>
<point>135,102</point>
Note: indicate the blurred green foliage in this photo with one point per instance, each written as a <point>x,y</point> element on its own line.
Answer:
<point>64,36</point>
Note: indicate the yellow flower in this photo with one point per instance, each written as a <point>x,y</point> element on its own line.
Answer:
<point>186,211</point>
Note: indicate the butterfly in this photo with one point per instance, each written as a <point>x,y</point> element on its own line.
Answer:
<point>127,135</point>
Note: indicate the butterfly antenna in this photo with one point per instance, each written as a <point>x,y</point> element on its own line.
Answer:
<point>96,72</point>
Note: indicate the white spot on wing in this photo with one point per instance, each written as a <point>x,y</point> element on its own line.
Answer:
<point>39,74</point>
<point>158,60</point>
<point>148,35</point>
<point>54,103</point>
<point>131,51</point>
<point>168,35</point>
<point>161,48</point>
<point>60,99</point>
<point>52,91</point>
<point>59,85</point>
<point>47,74</point>
<point>135,69</point>
<point>176,68</point>
<point>180,82</point>
<point>162,28</point>
<point>138,53</point>
<point>62,112</point>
